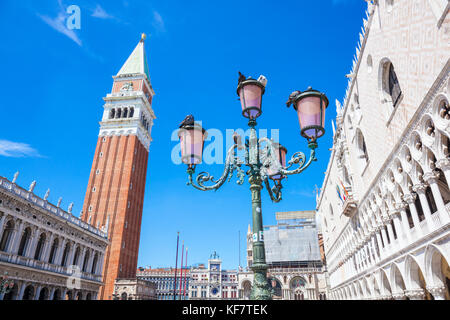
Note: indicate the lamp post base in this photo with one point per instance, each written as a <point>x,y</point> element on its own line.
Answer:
<point>260,288</point>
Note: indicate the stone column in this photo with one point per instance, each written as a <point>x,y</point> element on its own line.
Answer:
<point>21,291</point>
<point>2,224</point>
<point>370,260</point>
<point>14,242</point>
<point>91,261</point>
<point>363,256</point>
<point>37,292</point>
<point>409,198</point>
<point>378,239</point>
<point>31,247</point>
<point>60,251</point>
<point>374,250</point>
<point>384,237</point>
<point>100,264</point>
<point>444,165</point>
<point>82,256</point>
<point>432,179</point>
<point>420,190</point>
<point>71,254</point>
<point>63,294</point>
<point>405,222</point>
<point>390,232</point>
<point>415,294</point>
<point>48,248</point>
<point>356,255</point>
<point>51,294</point>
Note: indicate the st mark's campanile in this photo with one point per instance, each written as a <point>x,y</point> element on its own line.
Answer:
<point>115,192</point>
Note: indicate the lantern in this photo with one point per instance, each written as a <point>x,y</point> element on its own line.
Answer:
<point>310,106</point>
<point>280,155</point>
<point>250,93</point>
<point>192,139</point>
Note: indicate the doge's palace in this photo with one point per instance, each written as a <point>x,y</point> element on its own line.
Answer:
<point>385,199</point>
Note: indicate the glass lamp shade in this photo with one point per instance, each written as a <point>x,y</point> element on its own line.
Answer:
<point>250,93</point>
<point>192,139</point>
<point>280,155</point>
<point>310,106</point>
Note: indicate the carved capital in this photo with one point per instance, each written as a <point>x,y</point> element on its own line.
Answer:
<point>400,295</point>
<point>409,198</point>
<point>386,220</point>
<point>415,294</point>
<point>437,292</point>
<point>443,164</point>
<point>431,177</point>
<point>393,212</point>
<point>419,188</point>
<point>401,206</point>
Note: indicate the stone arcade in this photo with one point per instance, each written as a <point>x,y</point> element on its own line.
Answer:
<point>42,245</point>
<point>385,200</point>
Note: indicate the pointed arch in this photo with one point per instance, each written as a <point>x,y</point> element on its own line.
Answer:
<point>385,284</point>
<point>397,279</point>
<point>433,265</point>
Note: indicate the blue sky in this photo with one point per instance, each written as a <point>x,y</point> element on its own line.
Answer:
<point>54,80</point>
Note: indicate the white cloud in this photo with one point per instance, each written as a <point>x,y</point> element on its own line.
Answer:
<point>158,22</point>
<point>59,24</point>
<point>17,150</point>
<point>100,13</point>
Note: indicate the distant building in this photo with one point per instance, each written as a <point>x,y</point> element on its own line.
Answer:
<point>164,280</point>
<point>213,283</point>
<point>134,289</point>
<point>49,253</point>
<point>296,269</point>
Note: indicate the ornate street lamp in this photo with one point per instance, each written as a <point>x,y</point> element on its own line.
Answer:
<point>192,137</point>
<point>6,284</point>
<point>265,159</point>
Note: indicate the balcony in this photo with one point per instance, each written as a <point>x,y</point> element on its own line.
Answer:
<point>350,207</point>
<point>44,266</point>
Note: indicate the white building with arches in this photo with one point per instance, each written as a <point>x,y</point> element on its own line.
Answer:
<point>385,199</point>
<point>47,252</point>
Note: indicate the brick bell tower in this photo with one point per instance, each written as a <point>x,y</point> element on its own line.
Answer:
<point>115,192</point>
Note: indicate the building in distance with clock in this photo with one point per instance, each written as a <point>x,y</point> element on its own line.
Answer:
<point>213,283</point>
<point>297,270</point>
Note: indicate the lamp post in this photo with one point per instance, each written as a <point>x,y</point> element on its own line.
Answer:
<point>265,159</point>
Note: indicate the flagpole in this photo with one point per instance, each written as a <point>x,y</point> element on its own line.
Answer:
<point>176,265</point>
<point>185,270</point>
<point>239,237</point>
<point>181,270</point>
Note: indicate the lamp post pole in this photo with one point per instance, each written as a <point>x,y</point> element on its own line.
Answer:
<point>261,290</point>
<point>265,159</point>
